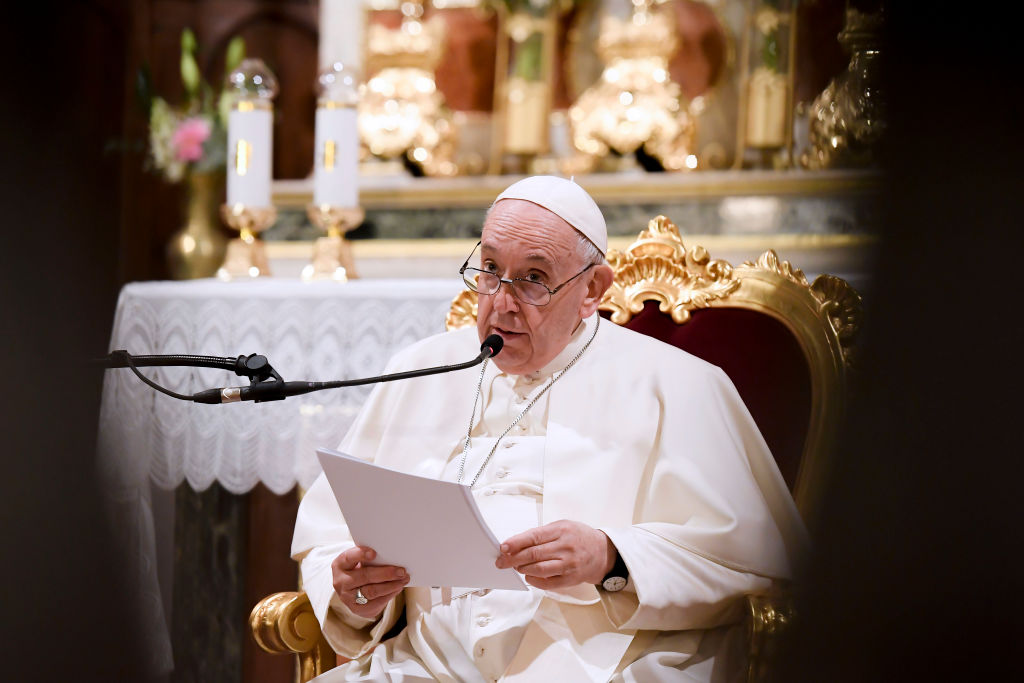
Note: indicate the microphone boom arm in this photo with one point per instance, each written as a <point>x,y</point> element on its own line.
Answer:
<point>264,382</point>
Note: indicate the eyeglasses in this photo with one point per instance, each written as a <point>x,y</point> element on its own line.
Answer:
<point>528,291</point>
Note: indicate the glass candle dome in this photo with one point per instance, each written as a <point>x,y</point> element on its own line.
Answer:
<point>252,79</point>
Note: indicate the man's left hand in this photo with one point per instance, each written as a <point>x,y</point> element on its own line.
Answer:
<point>559,555</point>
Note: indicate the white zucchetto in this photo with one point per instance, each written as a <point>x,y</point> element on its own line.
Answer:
<point>565,199</point>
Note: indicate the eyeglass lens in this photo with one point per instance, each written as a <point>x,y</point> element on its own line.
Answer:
<point>488,283</point>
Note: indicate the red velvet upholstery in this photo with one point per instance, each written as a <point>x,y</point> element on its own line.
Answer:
<point>763,360</point>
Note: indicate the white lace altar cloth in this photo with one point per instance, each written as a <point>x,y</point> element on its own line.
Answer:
<point>307,331</point>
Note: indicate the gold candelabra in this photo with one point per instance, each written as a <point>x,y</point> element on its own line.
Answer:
<point>402,114</point>
<point>635,104</point>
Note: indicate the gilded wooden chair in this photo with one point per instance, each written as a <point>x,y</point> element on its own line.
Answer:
<point>784,342</point>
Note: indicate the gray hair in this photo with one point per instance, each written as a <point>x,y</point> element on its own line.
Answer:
<point>588,252</point>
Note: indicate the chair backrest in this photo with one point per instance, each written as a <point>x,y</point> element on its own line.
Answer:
<point>783,342</point>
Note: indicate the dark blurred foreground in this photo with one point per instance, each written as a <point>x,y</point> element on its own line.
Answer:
<point>64,611</point>
<point>916,574</point>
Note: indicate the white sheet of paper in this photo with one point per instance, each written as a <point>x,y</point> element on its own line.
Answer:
<point>432,528</point>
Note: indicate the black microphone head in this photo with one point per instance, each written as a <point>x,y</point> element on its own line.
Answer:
<point>494,343</point>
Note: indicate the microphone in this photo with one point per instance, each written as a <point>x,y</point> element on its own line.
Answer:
<point>494,342</point>
<point>278,390</point>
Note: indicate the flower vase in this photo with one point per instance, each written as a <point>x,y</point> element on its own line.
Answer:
<point>197,249</point>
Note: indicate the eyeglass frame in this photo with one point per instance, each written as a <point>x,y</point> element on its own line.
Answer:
<point>511,282</point>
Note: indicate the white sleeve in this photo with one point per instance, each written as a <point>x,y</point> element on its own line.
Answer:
<point>675,588</point>
<point>320,536</point>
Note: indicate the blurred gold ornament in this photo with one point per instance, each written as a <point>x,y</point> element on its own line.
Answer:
<point>849,117</point>
<point>635,104</point>
<point>401,111</point>
<point>767,20</point>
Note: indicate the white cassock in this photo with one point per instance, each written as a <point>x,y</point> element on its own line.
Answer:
<point>639,439</point>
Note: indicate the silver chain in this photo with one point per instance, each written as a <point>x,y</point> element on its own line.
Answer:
<point>472,415</point>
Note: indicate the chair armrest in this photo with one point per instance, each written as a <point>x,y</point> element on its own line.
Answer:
<point>768,617</point>
<point>284,623</point>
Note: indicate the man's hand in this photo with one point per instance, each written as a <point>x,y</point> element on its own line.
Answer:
<point>560,554</point>
<point>378,584</point>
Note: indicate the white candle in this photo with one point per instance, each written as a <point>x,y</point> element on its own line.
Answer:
<point>336,164</point>
<point>250,151</point>
<point>341,32</point>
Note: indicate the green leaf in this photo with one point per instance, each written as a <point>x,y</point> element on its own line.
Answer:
<point>190,74</point>
<point>224,107</point>
<point>234,55</point>
<point>188,41</point>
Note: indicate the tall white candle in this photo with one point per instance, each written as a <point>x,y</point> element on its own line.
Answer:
<point>250,152</point>
<point>341,32</point>
<point>336,175</point>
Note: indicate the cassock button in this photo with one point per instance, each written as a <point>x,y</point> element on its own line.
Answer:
<point>522,427</point>
<point>502,473</point>
<point>508,444</point>
<point>489,492</point>
<point>483,620</point>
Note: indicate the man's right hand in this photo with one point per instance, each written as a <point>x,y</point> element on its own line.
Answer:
<point>378,584</point>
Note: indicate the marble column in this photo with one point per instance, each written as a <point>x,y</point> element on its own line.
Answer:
<point>230,551</point>
<point>208,618</point>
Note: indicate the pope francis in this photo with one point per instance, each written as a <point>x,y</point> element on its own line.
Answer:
<point>624,478</point>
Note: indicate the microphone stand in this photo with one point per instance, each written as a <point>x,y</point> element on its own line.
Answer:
<point>265,384</point>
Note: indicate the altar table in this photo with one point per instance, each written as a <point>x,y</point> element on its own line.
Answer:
<point>307,331</point>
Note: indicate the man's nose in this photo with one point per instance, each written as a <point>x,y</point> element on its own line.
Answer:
<point>504,300</point>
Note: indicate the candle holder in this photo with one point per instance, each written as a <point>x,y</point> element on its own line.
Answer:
<point>246,257</point>
<point>523,77</point>
<point>765,122</point>
<point>332,255</point>
<point>248,208</point>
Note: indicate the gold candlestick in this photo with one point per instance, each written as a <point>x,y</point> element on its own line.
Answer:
<point>246,256</point>
<point>332,255</point>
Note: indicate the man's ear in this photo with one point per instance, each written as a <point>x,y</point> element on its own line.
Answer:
<point>598,283</point>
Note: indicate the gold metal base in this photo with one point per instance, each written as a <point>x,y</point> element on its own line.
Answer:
<point>332,260</point>
<point>245,259</point>
<point>246,256</point>
<point>332,255</point>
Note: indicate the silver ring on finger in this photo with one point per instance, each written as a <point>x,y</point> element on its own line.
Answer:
<point>360,598</point>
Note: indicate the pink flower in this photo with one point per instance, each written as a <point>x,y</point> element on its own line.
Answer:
<point>188,139</point>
